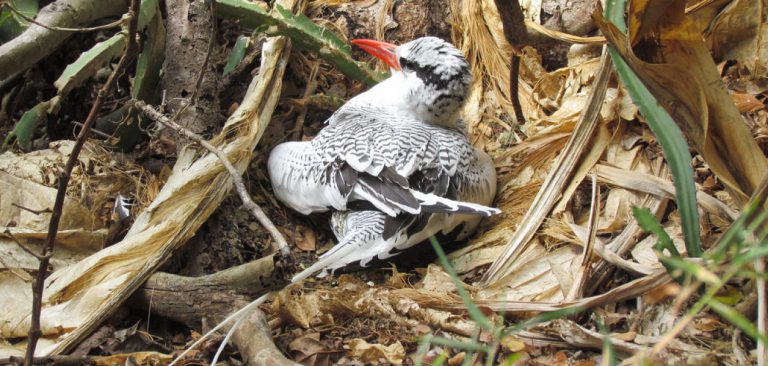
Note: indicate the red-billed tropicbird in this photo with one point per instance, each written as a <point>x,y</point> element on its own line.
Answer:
<point>393,163</point>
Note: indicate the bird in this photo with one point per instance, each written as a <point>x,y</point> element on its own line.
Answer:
<point>394,164</point>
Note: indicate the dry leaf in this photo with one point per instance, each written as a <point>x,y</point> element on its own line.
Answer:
<point>662,293</point>
<point>308,350</point>
<point>512,344</point>
<point>304,237</point>
<point>677,68</point>
<point>747,103</point>
<point>376,354</point>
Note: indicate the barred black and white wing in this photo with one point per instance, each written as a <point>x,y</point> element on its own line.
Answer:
<point>371,236</point>
<point>364,159</point>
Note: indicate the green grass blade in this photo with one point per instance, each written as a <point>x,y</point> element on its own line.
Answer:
<point>733,317</point>
<point>669,135</point>
<point>609,353</point>
<point>545,317</point>
<point>649,223</point>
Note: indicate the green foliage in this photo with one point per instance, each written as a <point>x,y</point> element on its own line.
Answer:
<point>667,132</point>
<point>11,24</point>
<point>497,331</point>
<point>25,128</point>
<point>89,63</point>
<point>305,34</point>
<point>236,54</point>
<point>86,66</point>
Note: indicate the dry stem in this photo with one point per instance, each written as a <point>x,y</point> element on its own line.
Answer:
<point>281,246</point>
<point>37,290</point>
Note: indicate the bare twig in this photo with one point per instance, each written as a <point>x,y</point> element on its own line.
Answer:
<point>281,246</point>
<point>311,87</point>
<point>36,212</point>
<point>22,246</point>
<point>100,133</point>
<point>37,289</point>
<point>52,360</point>
<point>513,23</point>
<point>115,24</point>
<point>577,290</point>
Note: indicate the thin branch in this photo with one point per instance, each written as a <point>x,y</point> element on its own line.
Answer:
<point>513,24</point>
<point>36,212</point>
<point>281,246</point>
<point>310,89</point>
<point>115,24</point>
<point>514,88</point>
<point>100,133</point>
<point>22,246</point>
<point>37,290</point>
<point>52,360</point>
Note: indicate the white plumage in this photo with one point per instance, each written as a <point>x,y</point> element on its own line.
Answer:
<point>394,163</point>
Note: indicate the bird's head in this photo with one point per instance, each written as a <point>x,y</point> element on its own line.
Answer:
<point>430,77</point>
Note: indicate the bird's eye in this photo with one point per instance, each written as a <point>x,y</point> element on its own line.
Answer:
<point>405,63</point>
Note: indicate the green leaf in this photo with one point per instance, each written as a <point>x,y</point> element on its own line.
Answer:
<point>236,54</point>
<point>151,58</point>
<point>11,24</point>
<point>669,135</point>
<point>147,12</point>
<point>305,35</point>
<point>609,354</point>
<point>25,128</point>
<point>89,62</point>
<point>100,54</point>
<point>732,316</point>
<point>649,223</point>
<point>545,317</point>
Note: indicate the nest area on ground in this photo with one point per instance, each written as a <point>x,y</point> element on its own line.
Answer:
<point>201,256</point>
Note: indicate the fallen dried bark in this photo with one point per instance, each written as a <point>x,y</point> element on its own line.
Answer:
<point>190,299</point>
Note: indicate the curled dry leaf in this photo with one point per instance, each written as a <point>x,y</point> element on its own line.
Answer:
<point>678,69</point>
<point>308,350</point>
<point>377,354</point>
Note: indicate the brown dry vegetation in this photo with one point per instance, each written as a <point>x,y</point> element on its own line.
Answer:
<point>568,180</point>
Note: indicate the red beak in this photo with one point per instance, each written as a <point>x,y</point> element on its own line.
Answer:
<point>382,50</point>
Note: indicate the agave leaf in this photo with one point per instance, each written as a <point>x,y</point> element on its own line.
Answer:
<point>305,35</point>
<point>25,128</point>
<point>11,24</point>
<point>151,58</point>
<point>89,62</point>
<point>237,54</point>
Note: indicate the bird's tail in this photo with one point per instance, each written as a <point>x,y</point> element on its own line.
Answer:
<point>360,236</point>
<point>435,204</point>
